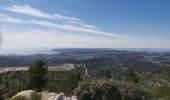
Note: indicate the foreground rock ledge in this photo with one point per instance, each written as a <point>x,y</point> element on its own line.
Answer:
<point>45,95</point>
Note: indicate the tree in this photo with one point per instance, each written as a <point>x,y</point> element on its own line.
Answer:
<point>106,72</point>
<point>1,92</point>
<point>132,76</point>
<point>37,75</point>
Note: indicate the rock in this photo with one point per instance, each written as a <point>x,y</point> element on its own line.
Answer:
<point>54,96</point>
<point>46,95</point>
<point>74,98</point>
<point>26,93</point>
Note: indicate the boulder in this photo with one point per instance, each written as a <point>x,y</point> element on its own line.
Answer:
<point>45,95</point>
<point>25,93</point>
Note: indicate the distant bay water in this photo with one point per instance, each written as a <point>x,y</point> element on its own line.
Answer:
<point>144,49</point>
<point>28,52</point>
<point>52,51</point>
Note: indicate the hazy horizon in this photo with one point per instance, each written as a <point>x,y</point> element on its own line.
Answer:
<point>32,51</point>
<point>88,24</point>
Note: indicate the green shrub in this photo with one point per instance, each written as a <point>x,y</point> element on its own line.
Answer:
<point>105,73</point>
<point>98,90</point>
<point>132,76</point>
<point>36,96</point>
<point>104,89</point>
<point>163,92</point>
<point>136,94</point>
<point>65,85</point>
<point>1,97</point>
<point>19,98</point>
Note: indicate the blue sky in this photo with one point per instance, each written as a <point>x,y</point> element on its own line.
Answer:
<point>84,24</point>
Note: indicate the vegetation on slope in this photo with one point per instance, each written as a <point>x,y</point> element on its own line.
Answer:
<point>107,83</point>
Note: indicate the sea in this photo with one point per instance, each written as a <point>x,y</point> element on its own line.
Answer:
<point>51,51</point>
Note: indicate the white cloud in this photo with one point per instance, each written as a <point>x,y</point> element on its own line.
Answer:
<point>88,26</point>
<point>6,18</point>
<point>74,28</point>
<point>28,10</point>
<point>66,18</point>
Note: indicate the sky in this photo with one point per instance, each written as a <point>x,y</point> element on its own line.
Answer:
<point>28,24</point>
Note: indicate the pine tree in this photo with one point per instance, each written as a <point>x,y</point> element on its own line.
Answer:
<point>37,74</point>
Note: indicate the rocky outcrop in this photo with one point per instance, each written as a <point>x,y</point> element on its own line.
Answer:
<point>26,93</point>
<point>45,95</point>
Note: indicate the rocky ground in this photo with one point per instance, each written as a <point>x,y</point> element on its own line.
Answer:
<point>45,95</point>
<point>63,67</point>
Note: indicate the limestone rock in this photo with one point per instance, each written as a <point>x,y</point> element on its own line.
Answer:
<point>45,95</point>
<point>26,93</point>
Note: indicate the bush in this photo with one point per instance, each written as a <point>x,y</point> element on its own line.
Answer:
<point>1,97</point>
<point>162,92</point>
<point>98,90</point>
<point>105,73</point>
<point>104,89</point>
<point>19,98</point>
<point>10,86</point>
<point>36,96</point>
<point>136,94</point>
<point>132,76</point>
<point>66,84</point>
